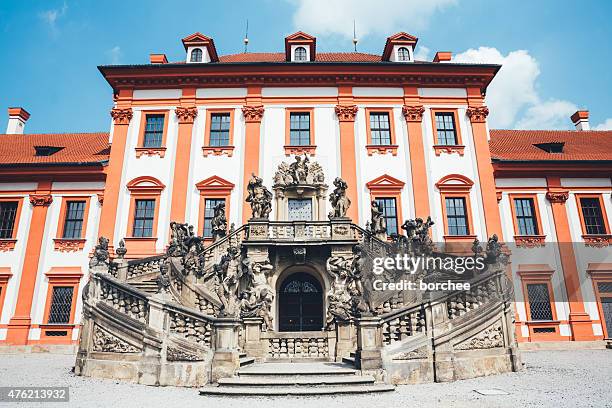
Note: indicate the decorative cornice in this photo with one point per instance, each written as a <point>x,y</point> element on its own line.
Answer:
<point>529,241</point>
<point>477,114</point>
<point>300,150</point>
<point>7,245</point>
<point>413,113</point>
<point>41,199</point>
<point>218,151</point>
<point>439,149</point>
<point>597,241</point>
<point>253,113</point>
<point>382,149</point>
<point>186,114</point>
<point>68,245</point>
<point>121,116</point>
<point>557,197</point>
<point>346,113</point>
<point>151,151</point>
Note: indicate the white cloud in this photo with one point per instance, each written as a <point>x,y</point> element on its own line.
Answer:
<point>606,125</point>
<point>551,114</point>
<point>513,88</point>
<point>114,55</point>
<point>335,17</point>
<point>51,16</point>
<point>421,53</point>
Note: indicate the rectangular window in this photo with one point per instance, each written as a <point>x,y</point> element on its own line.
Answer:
<point>446,130</point>
<point>539,301</point>
<point>389,208</point>
<point>456,216</point>
<point>300,209</point>
<point>299,128</point>
<point>144,215</point>
<point>154,130</point>
<point>73,223</point>
<point>209,213</point>
<point>592,215</point>
<point>525,216</point>
<point>8,213</point>
<point>61,305</point>
<point>219,129</point>
<point>380,128</point>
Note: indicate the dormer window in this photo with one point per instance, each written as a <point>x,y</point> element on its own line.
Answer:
<point>403,54</point>
<point>47,150</point>
<point>300,54</point>
<point>552,147</point>
<point>196,55</point>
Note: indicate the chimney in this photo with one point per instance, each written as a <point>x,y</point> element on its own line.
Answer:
<point>17,119</point>
<point>158,59</point>
<point>443,56</point>
<point>580,119</point>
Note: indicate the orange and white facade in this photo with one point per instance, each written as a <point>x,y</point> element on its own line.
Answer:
<point>411,133</point>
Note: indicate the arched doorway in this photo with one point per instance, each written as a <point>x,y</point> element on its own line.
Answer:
<point>300,303</point>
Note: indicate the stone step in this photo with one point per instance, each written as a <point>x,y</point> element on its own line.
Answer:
<point>245,361</point>
<point>349,360</point>
<point>303,381</point>
<point>299,391</point>
<point>297,369</point>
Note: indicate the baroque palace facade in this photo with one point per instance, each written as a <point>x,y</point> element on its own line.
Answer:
<point>187,137</point>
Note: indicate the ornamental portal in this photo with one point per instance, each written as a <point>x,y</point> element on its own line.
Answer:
<point>300,287</point>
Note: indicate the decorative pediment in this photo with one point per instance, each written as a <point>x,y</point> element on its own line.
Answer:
<point>385,182</point>
<point>145,184</point>
<point>215,184</point>
<point>454,182</point>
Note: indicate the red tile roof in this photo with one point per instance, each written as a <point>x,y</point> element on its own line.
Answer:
<point>518,145</point>
<point>320,57</point>
<point>78,148</point>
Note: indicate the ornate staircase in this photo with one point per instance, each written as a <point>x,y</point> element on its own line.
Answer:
<point>160,321</point>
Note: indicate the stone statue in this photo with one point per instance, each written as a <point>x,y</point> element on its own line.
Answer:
<point>259,197</point>
<point>417,238</point>
<point>338,199</point>
<point>260,293</point>
<point>163,280</point>
<point>378,225</point>
<point>178,235</point>
<point>100,255</point>
<point>219,222</point>
<point>494,252</point>
<point>186,245</point>
<point>299,169</point>
<point>121,251</point>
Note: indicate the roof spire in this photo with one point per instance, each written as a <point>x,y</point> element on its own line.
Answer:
<point>355,40</point>
<point>246,36</point>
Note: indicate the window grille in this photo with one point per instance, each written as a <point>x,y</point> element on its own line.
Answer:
<point>300,54</point>
<point>539,301</point>
<point>593,218</point>
<point>61,305</point>
<point>196,55</point>
<point>144,215</point>
<point>403,54</point>
<point>8,212</point>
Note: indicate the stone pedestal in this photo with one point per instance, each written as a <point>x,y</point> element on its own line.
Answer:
<point>252,342</point>
<point>226,358</point>
<point>345,335</point>
<point>369,343</point>
<point>341,228</point>
<point>258,229</point>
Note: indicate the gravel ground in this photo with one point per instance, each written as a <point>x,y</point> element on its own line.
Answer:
<point>551,379</point>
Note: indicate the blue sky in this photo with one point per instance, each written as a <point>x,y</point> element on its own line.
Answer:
<point>556,54</point>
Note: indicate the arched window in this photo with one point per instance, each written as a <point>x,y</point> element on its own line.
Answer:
<point>196,55</point>
<point>403,54</point>
<point>300,54</point>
